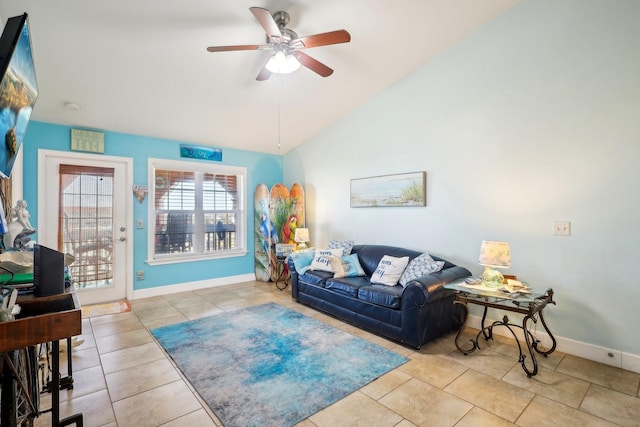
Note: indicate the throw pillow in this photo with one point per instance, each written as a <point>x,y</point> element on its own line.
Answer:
<point>352,265</point>
<point>347,266</point>
<point>389,270</point>
<point>345,245</point>
<point>337,267</point>
<point>420,266</point>
<point>321,260</point>
<point>302,260</point>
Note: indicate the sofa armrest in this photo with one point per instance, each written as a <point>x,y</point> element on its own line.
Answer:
<point>432,285</point>
<point>294,279</point>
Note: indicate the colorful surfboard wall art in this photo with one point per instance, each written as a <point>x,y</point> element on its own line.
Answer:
<point>278,212</point>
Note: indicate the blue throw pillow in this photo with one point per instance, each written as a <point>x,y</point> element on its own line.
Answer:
<point>302,260</point>
<point>352,265</point>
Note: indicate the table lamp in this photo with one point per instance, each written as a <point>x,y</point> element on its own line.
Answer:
<point>494,255</point>
<point>301,237</point>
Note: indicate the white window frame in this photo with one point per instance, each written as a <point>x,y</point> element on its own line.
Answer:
<point>241,231</point>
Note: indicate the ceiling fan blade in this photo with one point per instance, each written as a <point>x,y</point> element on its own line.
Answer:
<point>313,64</point>
<point>332,37</point>
<point>240,47</point>
<point>267,22</point>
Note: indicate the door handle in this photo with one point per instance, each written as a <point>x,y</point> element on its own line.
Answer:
<point>122,239</point>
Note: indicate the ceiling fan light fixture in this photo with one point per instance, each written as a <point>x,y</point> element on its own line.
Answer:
<point>281,63</point>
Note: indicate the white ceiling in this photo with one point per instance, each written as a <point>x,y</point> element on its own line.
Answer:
<point>141,67</point>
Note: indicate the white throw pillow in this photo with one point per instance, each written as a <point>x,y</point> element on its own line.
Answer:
<point>389,270</point>
<point>322,259</point>
<point>420,266</point>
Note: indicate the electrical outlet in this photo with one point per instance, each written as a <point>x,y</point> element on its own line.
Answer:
<point>140,275</point>
<point>561,228</point>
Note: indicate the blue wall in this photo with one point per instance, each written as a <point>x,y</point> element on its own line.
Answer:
<point>261,168</point>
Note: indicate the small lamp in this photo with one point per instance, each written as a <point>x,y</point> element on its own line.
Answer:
<point>301,237</point>
<point>494,255</point>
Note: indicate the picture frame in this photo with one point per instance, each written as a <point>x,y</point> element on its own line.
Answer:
<point>397,190</point>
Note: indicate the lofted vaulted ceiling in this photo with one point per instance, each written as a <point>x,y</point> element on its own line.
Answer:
<point>141,67</point>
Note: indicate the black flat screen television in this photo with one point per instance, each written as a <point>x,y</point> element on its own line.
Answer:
<point>18,89</point>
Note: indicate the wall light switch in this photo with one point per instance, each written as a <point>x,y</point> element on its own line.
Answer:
<point>140,223</point>
<point>561,228</point>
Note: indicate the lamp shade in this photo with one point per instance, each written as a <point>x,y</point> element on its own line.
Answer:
<point>302,235</point>
<point>282,63</point>
<point>495,254</point>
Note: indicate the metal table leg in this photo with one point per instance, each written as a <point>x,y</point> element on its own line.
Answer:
<point>55,392</point>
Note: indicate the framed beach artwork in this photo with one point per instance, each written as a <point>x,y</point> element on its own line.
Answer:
<point>405,189</point>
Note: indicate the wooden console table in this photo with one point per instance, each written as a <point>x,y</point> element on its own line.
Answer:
<point>42,320</point>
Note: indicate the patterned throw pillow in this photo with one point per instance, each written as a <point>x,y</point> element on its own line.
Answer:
<point>322,259</point>
<point>420,266</point>
<point>346,245</point>
<point>347,266</point>
<point>389,270</point>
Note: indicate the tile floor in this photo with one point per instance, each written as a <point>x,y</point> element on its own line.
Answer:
<point>123,378</point>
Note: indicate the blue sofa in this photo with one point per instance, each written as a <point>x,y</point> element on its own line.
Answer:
<point>414,315</point>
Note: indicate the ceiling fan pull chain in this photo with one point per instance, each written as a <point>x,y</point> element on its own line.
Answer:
<point>279,114</point>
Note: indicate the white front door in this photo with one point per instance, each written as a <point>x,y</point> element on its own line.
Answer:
<point>84,209</point>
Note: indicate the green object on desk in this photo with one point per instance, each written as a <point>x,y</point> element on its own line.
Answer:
<point>22,278</point>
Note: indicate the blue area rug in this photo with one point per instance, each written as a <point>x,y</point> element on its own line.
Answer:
<point>271,366</point>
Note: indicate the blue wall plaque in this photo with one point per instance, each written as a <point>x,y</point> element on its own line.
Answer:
<point>203,153</point>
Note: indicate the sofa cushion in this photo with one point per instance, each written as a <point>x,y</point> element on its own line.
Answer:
<point>347,285</point>
<point>315,277</point>
<point>420,266</point>
<point>386,296</point>
<point>370,255</point>
<point>389,270</point>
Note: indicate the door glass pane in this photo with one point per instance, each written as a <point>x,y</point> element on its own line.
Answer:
<point>86,223</point>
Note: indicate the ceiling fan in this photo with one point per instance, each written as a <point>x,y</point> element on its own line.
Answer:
<point>286,45</point>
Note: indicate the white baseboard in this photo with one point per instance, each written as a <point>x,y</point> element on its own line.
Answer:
<point>608,356</point>
<point>191,286</point>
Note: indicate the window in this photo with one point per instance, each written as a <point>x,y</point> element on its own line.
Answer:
<point>198,211</point>
<point>85,222</point>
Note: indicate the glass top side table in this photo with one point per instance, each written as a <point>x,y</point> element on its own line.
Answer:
<point>530,305</point>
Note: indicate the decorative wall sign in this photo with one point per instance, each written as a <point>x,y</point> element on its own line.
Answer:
<point>140,191</point>
<point>87,140</point>
<point>203,153</point>
<point>406,189</point>
<point>284,249</point>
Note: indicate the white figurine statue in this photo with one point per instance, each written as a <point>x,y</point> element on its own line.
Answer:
<point>22,214</point>
<point>19,228</point>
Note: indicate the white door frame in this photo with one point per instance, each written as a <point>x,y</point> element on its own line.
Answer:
<point>49,237</point>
